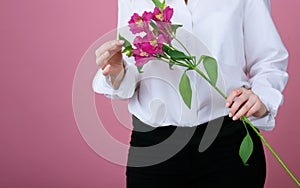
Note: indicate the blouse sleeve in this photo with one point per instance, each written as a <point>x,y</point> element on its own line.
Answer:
<point>101,84</point>
<point>266,59</point>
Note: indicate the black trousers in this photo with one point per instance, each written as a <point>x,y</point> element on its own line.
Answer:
<point>217,166</point>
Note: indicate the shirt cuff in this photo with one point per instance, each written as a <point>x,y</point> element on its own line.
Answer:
<point>102,85</point>
<point>272,99</point>
<point>265,123</point>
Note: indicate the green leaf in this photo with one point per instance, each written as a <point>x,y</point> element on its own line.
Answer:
<point>246,148</point>
<point>164,5</point>
<point>128,51</point>
<point>185,90</point>
<point>126,42</point>
<point>175,27</point>
<point>201,59</point>
<point>175,54</point>
<point>166,48</point>
<point>211,67</point>
<point>178,55</point>
<point>158,4</point>
<point>127,46</point>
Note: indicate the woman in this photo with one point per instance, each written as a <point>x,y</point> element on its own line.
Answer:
<point>252,59</point>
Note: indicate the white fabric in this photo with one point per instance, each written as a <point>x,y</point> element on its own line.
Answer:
<point>240,34</point>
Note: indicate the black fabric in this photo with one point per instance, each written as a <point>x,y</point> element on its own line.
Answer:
<point>217,166</point>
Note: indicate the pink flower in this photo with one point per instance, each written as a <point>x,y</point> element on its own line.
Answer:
<point>147,16</point>
<point>138,24</point>
<point>147,48</point>
<point>168,13</point>
<point>164,16</point>
<point>141,57</point>
<point>163,22</point>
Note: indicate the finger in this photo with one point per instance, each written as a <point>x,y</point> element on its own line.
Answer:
<point>238,103</point>
<point>259,110</point>
<point>111,57</point>
<point>244,109</point>
<point>109,46</point>
<point>253,109</point>
<point>111,50</point>
<point>112,71</point>
<point>235,93</point>
<point>103,59</point>
<point>106,70</point>
<point>104,47</point>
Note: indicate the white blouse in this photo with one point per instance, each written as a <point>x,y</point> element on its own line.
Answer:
<point>240,34</point>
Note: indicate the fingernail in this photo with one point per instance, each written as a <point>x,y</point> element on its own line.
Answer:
<point>227,104</point>
<point>234,118</point>
<point>121,42</point>
<point>230,114</point>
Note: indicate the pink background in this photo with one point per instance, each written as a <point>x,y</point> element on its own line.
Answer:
<point>41,44</point>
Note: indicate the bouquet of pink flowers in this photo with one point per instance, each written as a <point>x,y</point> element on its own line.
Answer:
<point>154,33</point>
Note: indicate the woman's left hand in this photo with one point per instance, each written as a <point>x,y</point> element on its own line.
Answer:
<point>243,101</point>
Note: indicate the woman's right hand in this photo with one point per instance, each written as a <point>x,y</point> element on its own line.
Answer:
<point>109,59</point>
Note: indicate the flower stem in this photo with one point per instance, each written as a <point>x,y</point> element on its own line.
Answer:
<point>216,88</point>
<point>255,130</point>
<point>272,151</point>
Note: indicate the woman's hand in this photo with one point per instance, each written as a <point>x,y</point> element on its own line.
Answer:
<point>109,58</point>
<point>243,101</point>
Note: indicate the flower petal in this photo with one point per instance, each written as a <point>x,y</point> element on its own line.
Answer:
<point>147,16</point>
<point>167,14</point>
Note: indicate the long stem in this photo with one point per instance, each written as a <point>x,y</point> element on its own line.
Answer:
<point>272,151</point>
<point>216,88</point>
<point>255,130</point>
